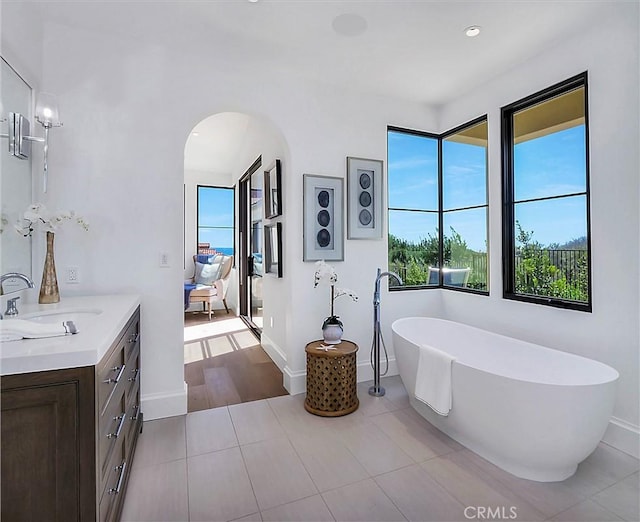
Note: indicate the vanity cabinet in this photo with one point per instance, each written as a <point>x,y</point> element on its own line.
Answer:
<point>69,436</point>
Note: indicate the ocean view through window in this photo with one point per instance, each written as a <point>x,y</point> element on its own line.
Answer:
<point>216,220</point>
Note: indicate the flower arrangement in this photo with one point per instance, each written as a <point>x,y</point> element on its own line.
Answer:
<point>325,274</point>
<point>37,215</point>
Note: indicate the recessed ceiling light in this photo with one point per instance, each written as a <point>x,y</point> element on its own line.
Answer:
<point>349,24</point>
<point>195,134</point>
<point>253,1</point>
<point>472,30</point>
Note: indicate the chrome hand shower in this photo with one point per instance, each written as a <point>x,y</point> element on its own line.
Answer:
<point>376,390</point>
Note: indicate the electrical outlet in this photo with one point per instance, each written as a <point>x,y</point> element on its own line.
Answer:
<point>73,275</point>
<point>164,260</point>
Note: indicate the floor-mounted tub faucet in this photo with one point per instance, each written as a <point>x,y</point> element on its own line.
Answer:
<point>12,309</point>
<point>376,390</point>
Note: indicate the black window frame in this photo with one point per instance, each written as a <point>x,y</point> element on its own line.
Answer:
<point>440,211</point>
<point>444,136</point>
<point>430,135</point>
<point>233,192</point>
<point>508,194</point>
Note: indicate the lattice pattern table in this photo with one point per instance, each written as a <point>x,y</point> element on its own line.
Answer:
<point>331,379</point>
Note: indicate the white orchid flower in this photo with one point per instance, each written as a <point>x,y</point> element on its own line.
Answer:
<point>325,273</point>
<point>83,223</point>
<point>37,215</point>
<point>346,291</point>
<point>36,212</point>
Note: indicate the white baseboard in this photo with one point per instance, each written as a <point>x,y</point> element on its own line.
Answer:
<point>624,436</point>
<point>161,405</point>
<point>273,351</point>
<point>365,371</point>
<point>296,381</point>
<point>280,360</point>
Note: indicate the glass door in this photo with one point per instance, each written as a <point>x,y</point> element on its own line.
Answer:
<point>255,240</point>
<point>251,245</point>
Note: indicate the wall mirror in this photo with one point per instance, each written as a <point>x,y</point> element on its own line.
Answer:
<point>15,179</point>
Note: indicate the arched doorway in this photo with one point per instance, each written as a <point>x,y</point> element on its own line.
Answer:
<point>219,152</point>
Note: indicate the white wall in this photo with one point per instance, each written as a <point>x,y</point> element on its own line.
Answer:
<point>609,52</point>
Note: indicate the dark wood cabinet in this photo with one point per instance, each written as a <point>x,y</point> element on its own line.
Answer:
<point>68,437</point>
<point>46,417</point>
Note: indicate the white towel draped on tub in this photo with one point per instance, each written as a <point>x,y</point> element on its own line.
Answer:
<point>433,383</point>
<point>15,329</point>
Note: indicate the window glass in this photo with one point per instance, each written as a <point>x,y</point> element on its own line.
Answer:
<point>556,267</point>
<point>413,206</point>
<point>216,220</point>
<point>413,171</point>
<point>413,246</point>
<point>464,168</point>
<point>465,248</point>
<point>417,207</point>
<point>546,233</point>
<point>551,165</point>
<point>465,217</point>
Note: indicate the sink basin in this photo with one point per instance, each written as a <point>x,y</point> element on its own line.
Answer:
<point>78,316</point>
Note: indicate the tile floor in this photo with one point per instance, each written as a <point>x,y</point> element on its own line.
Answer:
<point>270,460</point>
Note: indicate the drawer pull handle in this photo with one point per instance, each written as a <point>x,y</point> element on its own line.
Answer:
<point>115,435</point>
<point>135,374</point>
<point>122,467</point>
<point>136,408</point>
<point>120,370</point>
<point>134,339</point>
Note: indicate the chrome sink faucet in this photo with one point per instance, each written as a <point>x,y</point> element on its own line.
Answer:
<point>12,309</point>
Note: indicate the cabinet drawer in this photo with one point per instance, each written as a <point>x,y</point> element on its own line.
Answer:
<point>111,429</point>
<point>133,413</point>
<point>109,375</point>
<point>131,338</point>
<point>132,374</point>
<point>113,486</point>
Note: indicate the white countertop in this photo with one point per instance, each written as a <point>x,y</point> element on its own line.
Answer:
<point>95,335</point>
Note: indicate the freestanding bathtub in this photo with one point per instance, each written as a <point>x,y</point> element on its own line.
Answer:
<point>532,411</point>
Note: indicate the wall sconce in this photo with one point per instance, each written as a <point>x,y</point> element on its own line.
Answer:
<point>19,130</point>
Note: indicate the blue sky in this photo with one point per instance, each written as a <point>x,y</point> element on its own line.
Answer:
<point>215,209</point>
<point>547,166</point>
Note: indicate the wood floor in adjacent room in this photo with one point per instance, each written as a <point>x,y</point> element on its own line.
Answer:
<point>225,364</point>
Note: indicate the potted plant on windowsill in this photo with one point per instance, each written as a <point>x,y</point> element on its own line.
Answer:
<point>332,327</point>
